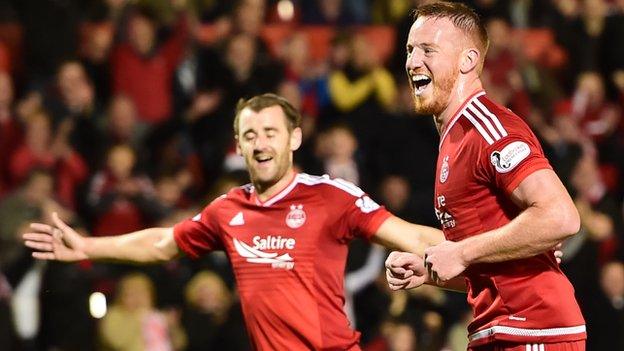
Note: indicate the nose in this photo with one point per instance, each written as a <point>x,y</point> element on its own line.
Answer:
<point>261,142</point>
<point>413,61</point>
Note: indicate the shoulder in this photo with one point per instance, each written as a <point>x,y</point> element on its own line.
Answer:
<point>330,187</point>
<point>233,197</point>
<point>490,123</point>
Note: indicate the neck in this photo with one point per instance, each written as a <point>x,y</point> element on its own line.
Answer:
<point>461,92</point>
<point>265,192</point>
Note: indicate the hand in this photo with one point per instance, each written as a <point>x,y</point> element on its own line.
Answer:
<point>404,270</point>
<point>59,242</point>
<point>444,261</point>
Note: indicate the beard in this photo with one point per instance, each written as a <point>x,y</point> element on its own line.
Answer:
<point>263,179</point>
<point>436,104</point>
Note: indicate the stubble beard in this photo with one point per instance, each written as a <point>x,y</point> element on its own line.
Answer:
<point>441,94</point>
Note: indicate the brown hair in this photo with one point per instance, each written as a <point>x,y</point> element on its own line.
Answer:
<point>260,102</point>
<point>462,16</point>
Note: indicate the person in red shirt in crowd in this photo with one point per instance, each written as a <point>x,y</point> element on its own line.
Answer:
<point>42,149</point>
<point>143,69</point>
<point>10,132</point>
<point>121,200</point>
<point>500,205</point>
<point>286,235</point>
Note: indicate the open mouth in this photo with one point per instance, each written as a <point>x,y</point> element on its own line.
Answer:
<point>420,82</point>
<point>262,159</point>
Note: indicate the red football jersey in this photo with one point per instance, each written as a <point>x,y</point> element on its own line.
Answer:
<point>288,254</point>
<point>485,152</point>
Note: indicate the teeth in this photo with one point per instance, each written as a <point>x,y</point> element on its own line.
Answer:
<point>418,77</point>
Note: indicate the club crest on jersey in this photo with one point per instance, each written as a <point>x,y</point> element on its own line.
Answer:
<point>444,170</point>
<point>510,156</point>
<point>296,217</point>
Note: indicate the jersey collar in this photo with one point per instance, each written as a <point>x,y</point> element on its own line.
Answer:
<point>459,112</point>
<point>275,198</point>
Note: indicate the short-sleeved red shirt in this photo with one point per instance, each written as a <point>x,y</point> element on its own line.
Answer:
<point>288,254</point>
<point>485,153</point>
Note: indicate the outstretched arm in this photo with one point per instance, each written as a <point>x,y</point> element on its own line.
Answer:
<point>548,218</point>
<point>60,242</point>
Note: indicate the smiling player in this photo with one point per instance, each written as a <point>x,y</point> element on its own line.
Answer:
<point>500,205</point>
<point>286,235</point>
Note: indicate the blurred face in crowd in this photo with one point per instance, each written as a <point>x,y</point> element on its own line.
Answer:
<point>341,144</point>
<point>395,191</point>
<point>250,16</point>
<point>362,54</point>
<point>590,84</point>
<point>400,336</point>
<point>433,59</point>
<point>6,90</point>
<point>39,188</point>
<point>241,54</point>
<point>168,191</point>
<point>99,43</point>
<point>612,280</point>
<point>142,34</point>
<point>499,34</point>
<point>208,293</point>
<point>135,293</point>
<point>38,132</point>
<point>122,117</point>
<point>74,85</point>
<point>121,161</point>
<point>267,144</point>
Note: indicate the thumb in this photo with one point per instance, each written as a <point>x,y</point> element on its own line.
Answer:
<point>67,230</point>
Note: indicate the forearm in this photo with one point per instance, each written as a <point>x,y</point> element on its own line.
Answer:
<point>532,232</point>
<point>456,284</point>
<point>397,234</point>
<point>145,246</point>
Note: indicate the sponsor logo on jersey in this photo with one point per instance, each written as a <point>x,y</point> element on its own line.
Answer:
<point>366,204</point>
<point>444,170</point>
<point>445,218</point>
<point>296,217</point>
<point>257,253</point>
<point>510,156</point>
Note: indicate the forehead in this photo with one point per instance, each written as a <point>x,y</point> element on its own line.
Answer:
<point>434,30</point>
<point>268,117</point>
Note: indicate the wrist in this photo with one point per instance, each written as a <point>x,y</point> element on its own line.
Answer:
<point>466,252</point>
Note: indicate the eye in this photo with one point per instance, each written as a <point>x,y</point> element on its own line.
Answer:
<point>409,49</point>
<point>249,136</point>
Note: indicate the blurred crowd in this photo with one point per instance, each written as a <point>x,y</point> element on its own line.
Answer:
<point>117,114</point>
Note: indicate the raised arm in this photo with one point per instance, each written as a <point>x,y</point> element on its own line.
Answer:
<point>549,217</point>
<point>61,243</point>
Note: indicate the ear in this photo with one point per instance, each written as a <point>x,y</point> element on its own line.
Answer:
<point>470,60</point>
<point>296,138</point>
<point>239,152</point>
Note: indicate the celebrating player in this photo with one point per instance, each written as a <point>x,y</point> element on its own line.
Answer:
<point>501,206</point>
<point>286,235</point>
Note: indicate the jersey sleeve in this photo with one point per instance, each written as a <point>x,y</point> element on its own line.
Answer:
<point>508,161</point>
<point>361,215</point>
<point>198,235</point>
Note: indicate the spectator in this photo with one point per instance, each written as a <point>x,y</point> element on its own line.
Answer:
<point>42,149</point>
<point>143,68</point>
<point>10,132</point>
<point>212,317</point>
<point>607,310</point>
<point>122,199</point>
<point>134,324</point>
<point>73,104</point>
